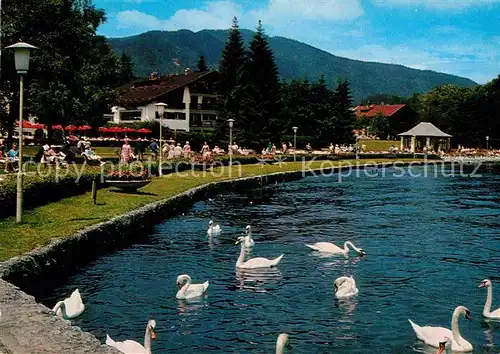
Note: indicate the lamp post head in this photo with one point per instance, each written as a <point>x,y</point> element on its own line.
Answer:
<point>487,137</point>
<point>231,123</point>
<point>295,129</point>
<point>22,56</point>
<point>160,107</point>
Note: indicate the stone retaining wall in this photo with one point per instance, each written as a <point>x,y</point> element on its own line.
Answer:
<point>29,327</point>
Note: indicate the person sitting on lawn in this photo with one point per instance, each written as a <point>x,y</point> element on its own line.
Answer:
<point>90,154</point>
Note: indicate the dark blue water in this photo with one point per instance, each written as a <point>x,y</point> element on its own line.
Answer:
<point>429,242</point>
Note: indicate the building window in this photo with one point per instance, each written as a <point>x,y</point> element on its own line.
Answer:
<point>209,117</point>
<point>176,115</point>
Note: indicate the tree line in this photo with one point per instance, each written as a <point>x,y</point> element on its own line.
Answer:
<point>265,109</point>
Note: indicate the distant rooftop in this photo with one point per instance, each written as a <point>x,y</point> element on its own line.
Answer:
<point>373,110</point>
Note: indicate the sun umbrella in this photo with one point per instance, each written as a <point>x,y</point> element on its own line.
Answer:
<point>85,127</point>
<point>104,129</point>
<point>57,127</point>
<point>129,130</point>
<point>71,128</point>
<point>144,131</point>
<point>115,130</point>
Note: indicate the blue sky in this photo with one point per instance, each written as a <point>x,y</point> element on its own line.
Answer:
<point>459,37</point>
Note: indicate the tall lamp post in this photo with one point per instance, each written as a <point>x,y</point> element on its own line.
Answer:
<point>160,107</point>
<point>231,123</point>
<point>294,142</point>
<point>487,142</point>
<point>22,60</point>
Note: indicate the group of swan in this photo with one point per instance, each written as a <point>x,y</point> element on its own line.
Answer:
<point>442,338</point>
<point>451,340</point>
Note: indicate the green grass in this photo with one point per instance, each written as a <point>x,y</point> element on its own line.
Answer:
<point>379,145</point>
<point>101,151</point>
<point>67,216</point>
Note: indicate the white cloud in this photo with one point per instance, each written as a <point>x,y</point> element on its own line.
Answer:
<point>312,10</point>
<point>215,15</point>
<point>436,4</point>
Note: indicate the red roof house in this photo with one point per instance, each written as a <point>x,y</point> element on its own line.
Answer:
<point>370,111</point>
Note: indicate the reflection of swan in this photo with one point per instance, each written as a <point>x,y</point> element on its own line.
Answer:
<point>445,347</point>
<point>71,307</point>
<point>213,229</point>
<point>282,343</point>
<point>347,305</point>
<point>257,279</point>
<point>495,315</point>
<point>249,242</point>
<point>328,247</point>
<point>131,346</point>
<point>434,335</point>
<point>253,263</point>
<point>345,287</point>
<point>188,290</point>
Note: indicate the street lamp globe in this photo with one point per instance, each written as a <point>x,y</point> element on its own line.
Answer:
<point>160,107</point>
<point>231,123</point>
<point>295,129</point>
<point>22,53</point>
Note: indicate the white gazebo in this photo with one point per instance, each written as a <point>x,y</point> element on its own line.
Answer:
<point>435,139</point>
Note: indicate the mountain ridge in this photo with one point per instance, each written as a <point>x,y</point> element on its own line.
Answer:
<point>154,51</point>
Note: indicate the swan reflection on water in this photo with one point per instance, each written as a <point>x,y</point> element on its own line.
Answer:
<point>339,261</point>
<point>347,306</point>
<point>187,307</point>
<point>491,326</point>
<point>257,279</point>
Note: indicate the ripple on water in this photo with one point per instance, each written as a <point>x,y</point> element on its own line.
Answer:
<point>429,242</point>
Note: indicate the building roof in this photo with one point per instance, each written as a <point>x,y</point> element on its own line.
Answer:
<point>425,129</point>
<point>373,110</point>
<point>144,90</point>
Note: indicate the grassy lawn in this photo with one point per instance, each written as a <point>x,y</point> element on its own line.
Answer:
<point>65,217</point>
<point>379,145</point>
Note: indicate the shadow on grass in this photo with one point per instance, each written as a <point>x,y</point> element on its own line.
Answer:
<point>82,219</point>
<point>131,192</point>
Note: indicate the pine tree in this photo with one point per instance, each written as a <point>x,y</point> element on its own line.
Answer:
<point>261,94</point>
<point>343,118</point>
<point>230,69</point>
<point>201,65</point>
<point>321,101</point>
<point>126,69</point>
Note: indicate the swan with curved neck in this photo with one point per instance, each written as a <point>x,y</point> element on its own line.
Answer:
<point>433,336</point>
<point>213,229</point>
<point>254,263</point>
<point>495,315</point>
<point>282,343</point>
<point>328,247</point>
<point>131,346</point>
<point>71,307</point>
<point>188,290</point>
<point>445,347</point>
<point>249,242</point>
<point>345,287</point>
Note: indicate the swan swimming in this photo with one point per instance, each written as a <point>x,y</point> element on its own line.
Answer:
<point>495,315</point>
<point>345,287</point>
<point>282,343</point>
<point>71,307</point>
<point>213,229</point>
<point>253,263</point>
<point>433,336</point>
<point>249,242</point>
<point>131,346</point>
<point>328,247</point>
<point>188,290</point>
<point>445,347</point>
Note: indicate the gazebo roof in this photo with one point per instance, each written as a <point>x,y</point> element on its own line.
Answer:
<point>425,129</point>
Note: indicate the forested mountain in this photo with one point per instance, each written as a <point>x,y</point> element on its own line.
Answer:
<point>154,51</point>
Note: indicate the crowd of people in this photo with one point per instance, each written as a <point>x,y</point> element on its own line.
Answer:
<point>10,157</point>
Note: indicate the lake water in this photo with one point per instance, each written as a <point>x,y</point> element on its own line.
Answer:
<point>429,242</point>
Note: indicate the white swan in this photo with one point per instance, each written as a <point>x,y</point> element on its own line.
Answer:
<point>282,343</point>
<point>445,347</point>
<point>495,315</point>
<point>213,229</point>
<point>131,346</point>
<point>188,290</point>
<point>253,263</point>
<point>434,335</point>
<point>249,242</point>
<point>345,287</point>
<point>71,307</point>
<point>328,247</point>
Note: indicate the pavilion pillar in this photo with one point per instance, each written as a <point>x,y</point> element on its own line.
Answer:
<point>412,144</point>
<point>402,145</point>
<point>428,142</point>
